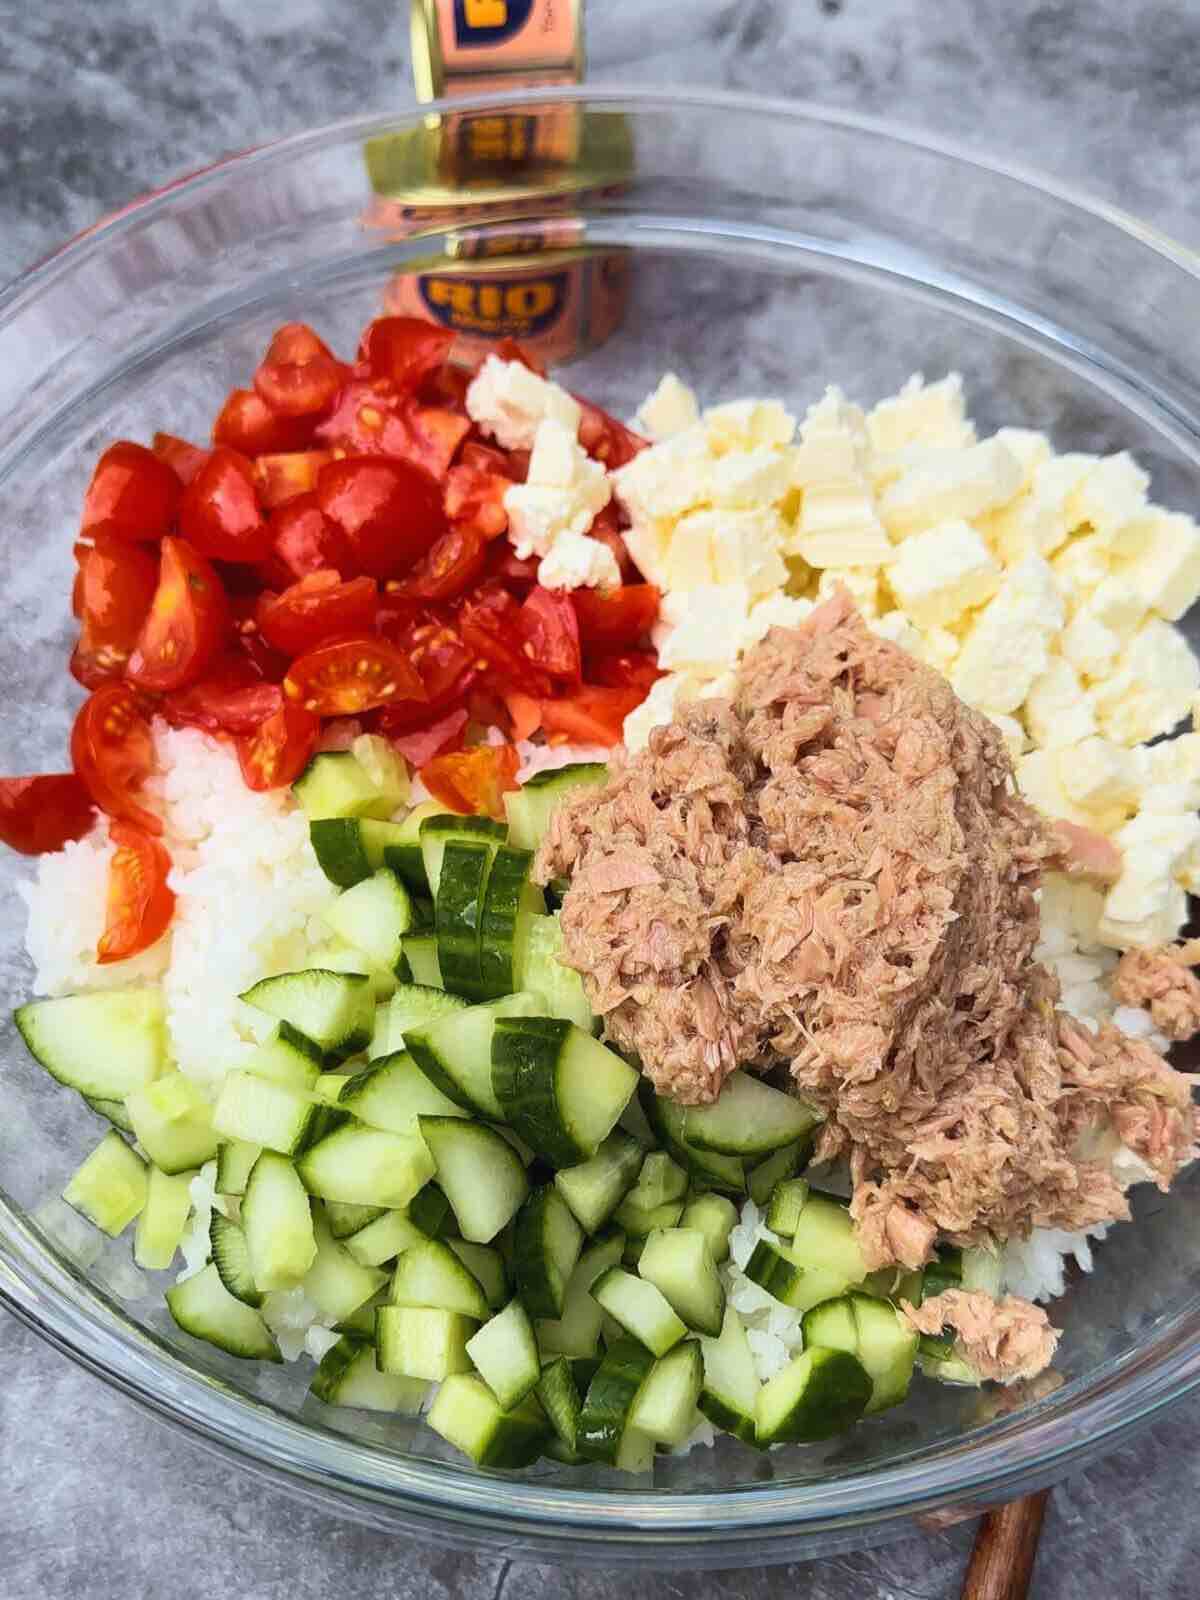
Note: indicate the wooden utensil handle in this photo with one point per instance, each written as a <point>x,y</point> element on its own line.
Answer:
<point>1005,1547</point>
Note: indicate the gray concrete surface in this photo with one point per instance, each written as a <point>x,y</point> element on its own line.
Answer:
<point>102,100</point>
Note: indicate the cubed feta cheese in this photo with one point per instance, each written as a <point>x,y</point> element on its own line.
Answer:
<point>1082,567</point>
<point>860,583</point>
<point>744,546</point>
<point>1088,645</point>
<point>1039,779</point>
<point>1099,776</point>
<point>897,629</point>
<point>1118,606</point>
<point>1171,780</point>
<point>577,562</point>
<point>670,409</point>
<point>1108,496</point>
<point>667,479</point>
<point>949,484</point>
<point>706,628</point>
<point>776,611</point>
<point>922,413</point>
<point>1144,906</point>
<point>838,527</point>
<point>1011,732</point>
<point>508,401</point>
<point>1057,709</point>
<point>747,424</point>
<point>563,492</point>
<point>655,711</point>
<point>648,544</point>
<point>939,574</point>
<point>1029,448</point>
<point>1158,558</point>
<point>939,649</point>
<point>1036,521</point>
<point>1151,687</point>
<point>759,477</point>
<point>1007,647</point>
<point>538,515</point>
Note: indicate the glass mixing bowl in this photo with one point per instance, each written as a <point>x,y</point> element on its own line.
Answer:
<point>772,248</point>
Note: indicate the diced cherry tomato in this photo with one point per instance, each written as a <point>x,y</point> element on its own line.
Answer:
<point>485,458</point>
<point>591,715</point>
<point>132,493</point>
<point>622,669</point>
<point>350,677</point>
<point>525,713</point>
<point>278,751</point>
<point>452,566</point>
<point>473,780</point>
<point>40,814</point>
<point>404,350</point>
<point>447,387</point>
<point>511,570</point>
<point>184,459</point>
<point>317,608</point>
<point>263,662</point>
<point>187,625</point>
<point>474,497</point>
<point>605,439</point>
<point>80,551</point>
<point>117,581</point>
<point>446,666</point>
<point>231,699</point>
<point>369,421</point>
<point>220,514</point>
<point>112,751</point>
<point>422,744</point>
<point>299,376</point>
<point>389,511</point>
<point>247,424</point>
<point>550,633</point>
<point>306,540</point>
<point>140,906</point>
<point>489,623</point>
<point>605,528</point>
<point>431,437</point>
<point>280,478</point>
<point>612,617</point>
<point>510,350</point>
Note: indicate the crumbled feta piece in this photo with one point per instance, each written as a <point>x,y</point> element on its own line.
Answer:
<point>1037,521</point>
<point>747,424</point>
<point>1088,645</point>
<point>776,611</point>
<point>705,628</point>
<point>860,583</point>
<point>838,525</point>
<point>1057,709</point>
<point>669,410</point>
<point>562,494</point>
<point>1007,647</point>
<point>667,479</point>
<point>1082,567</point>
<point>1118,606</point>
<point>1039,778</point>
<point>648,543</point>
<point>1011,732</point>
<point>948,484</point>
<point>1150,689</point>
<point>1111,494</point>
<point>1029,448</point>
<point>897,629</point>
<point>751,478</point>
<point>508,401</point>
<point>1146,900</point>
<point>939,649</point>
<point>1158,559</point>
<point>927,414</point>
<point>1098,776</point>
<point>717,547</point>
<point>577,562</point>
<point>939,574</point>
<point>655,711</point>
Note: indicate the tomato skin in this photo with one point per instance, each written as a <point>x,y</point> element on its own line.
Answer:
<point>447,668</point>
<point>184,459</point>
<point>112,752</point>
<point>140,905</point>
<point>473,780</point>
<point>390,512</point>
<point>490,625</point>
<point>605,439</point>
<point>474,498</point>
<point>317,608</point>
<point>40,814</point>
<point>623,669</point>
<point>592,715</point>
<point>299,376</point>
<point>247,424</point>
<point>369,421</point>
<point>550,633</point>
<point>117,581</point>
<point>404,350</point>
<point>422,744</point>
<point>510,350</point>
<point>132,493</point>
<point>351,676</point>
<point>282,477</point>
<point>187,625</point>
<point>230,699</point>
<point>611,618</point>
<point>220,514</point>
<point>525,714</point>
<point>278,751</point>
<point>454,564</point>
<point>305,540</point>
<point>605,528</point>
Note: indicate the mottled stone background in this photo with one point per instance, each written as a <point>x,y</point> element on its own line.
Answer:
<point>102,99</point>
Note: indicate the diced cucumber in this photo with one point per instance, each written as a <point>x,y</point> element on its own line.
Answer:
<point>528,808</point>
<point>430,1211</point>
<point>202,1306</point>
<point>392,1093</point>
<point>635,1123</point>
<point>505,1354</point>
<point>382,1239</point>
<point>260,1112</point>
<point>420,951</point>
<point>173,1123</point>
<point>660,1182</point>
<point>339,957</point>
<point>360,1324</point>
<point>387,771</point>
<point>539,968</point>
<point>666,1119</point>
<point>576,1334</point>
<point>334,784</point>
<point>112,1111</point>
<point>235,1158</point>
<point>346,1220</point>
<point>610,1398</point>
<point>404,856</point>
<point>952,1369</point>
<point>942,1273</point>
<point>788,1282</point>
<point>635,1243</point>
<point>560,1089</point>
<point>103,1044</point>
<point>438,831</point>
<point>730,1390</point>
<point>872,1330</point>
<point>983,1271</point>
<point>678,1262</point>
<point>715,1217</point>
<point>278,1224</point>
<point>749,1118</point>
<point>546,1247</point>
<point>458,916</point>
<point>429,1273</point>
<point>595,1188</point>
<point>480,1173</point>
<point>635,1453</point>
<point>348,1376</point>
<point>825,1237</point>
<point>110,1187</point>
<point>328,1087</point>
<point>333,1009</point>
<point>373,917</point>
<point>350,849</point>
<point>162,1221</point>
<point>486,1266</point>
<point>642,1310</point>
<point>788,1200</point>
<point>762,1180</point>
<point>337,1283</point>
<point>422,1342</point>
<point>639,1223</point>
<point>511,899</point>
<point>665,1407</point>
<point>819,1393</point>
<point>455,1051</point>
<point>286,1057</point>
<point>231,1257</point>
<point>558,1395</point>
<point>413,1005</point>
<point>365,1166</point>
<point>467,1414</point>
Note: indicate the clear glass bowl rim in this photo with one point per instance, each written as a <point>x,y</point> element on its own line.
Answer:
<point>1008,1456</point>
